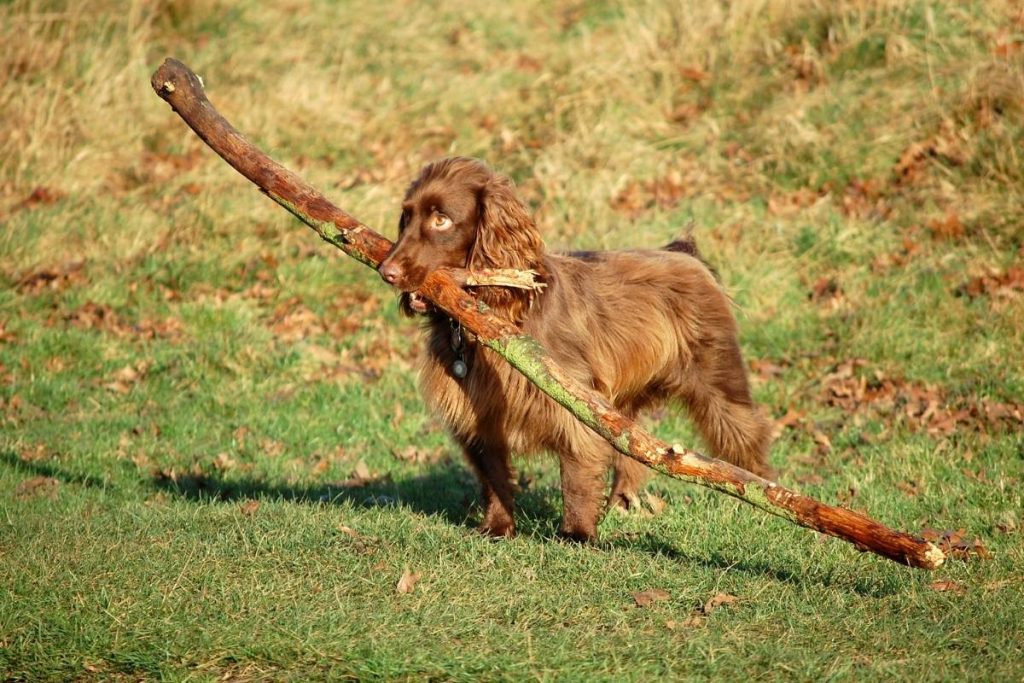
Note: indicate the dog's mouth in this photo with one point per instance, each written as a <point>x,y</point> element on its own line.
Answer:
<point>418,303</point>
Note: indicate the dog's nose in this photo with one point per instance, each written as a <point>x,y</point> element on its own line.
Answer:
<point>390,271</point>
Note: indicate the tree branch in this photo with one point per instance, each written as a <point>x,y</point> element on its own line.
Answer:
<point>182,89</point>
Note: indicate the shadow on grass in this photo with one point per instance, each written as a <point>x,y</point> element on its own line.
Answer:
<point>42,468</point>
<point>448,490</point>
<point>869,584</point>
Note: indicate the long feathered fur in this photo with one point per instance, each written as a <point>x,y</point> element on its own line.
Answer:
<point>641,327</point>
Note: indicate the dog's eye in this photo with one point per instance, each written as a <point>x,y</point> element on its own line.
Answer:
<point>440,222</point>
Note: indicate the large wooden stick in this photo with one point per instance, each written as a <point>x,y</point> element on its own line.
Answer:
<point>182,89</point>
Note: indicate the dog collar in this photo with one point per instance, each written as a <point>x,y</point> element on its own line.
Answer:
<point>458,344</point>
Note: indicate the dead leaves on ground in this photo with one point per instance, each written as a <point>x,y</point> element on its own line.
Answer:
<point>41,195</point>
<point>37,487</point>
<point>696,619</point>
<point>948,586</point>
<point>945,146</point>
<point>360,476</point>
<point>249,507</point>
<point>103,318</point>
<point>125,379</point>
<point>994,284</point>
<point>366,357</point>
<point>921,406</point>
<point>717,600</point>
<point>419,456</point>
<point>52,278</point>
<point>6,336</point>
<point>827,291</point>
<point>956,544</point>
<point>862,392</point>
<point>650,596</point>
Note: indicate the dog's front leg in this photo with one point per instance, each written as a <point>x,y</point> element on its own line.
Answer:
<point>491,464</point>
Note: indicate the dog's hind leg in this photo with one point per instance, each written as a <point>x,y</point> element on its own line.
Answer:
<point>630,477</point>
<point>583,469</point>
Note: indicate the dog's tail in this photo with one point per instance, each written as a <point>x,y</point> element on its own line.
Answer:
<point>687,244</point>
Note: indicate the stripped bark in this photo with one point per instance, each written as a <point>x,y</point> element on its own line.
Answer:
<point>497,277</point>
<point>182,89</point>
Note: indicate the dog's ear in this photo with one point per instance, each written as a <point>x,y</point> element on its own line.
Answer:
<point>506,236</point>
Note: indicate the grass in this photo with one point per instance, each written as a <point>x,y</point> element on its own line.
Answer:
<point>190,383</point>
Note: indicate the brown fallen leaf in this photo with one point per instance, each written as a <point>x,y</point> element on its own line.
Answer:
<point>695,73</point>
<point>127,377</point>
<point>37,486</point>
<point>694,621</point>
<point>949,227</point>
<point>362,472</point>
<point>93,668</point>
<point>825,289</point>
<point>767,369</point>
<point>947,586</point>
<point>407,582</point>
<point>810,479</point>
<point>249,507</point>
<point>55,278</point>
<point>5,334</point>
<point>93,316</point>
<point>224,462</point>
<point>414,454</point>
<point>34,454</point>
<point>1007,523</point>
<point>240,434</point>
<point>717,600</point>
<point>348,531</point>
<point>41,196</point>
<point>910,488</point>
<point>650,596</point>
<point>994,284</point>
<point>271,448</point>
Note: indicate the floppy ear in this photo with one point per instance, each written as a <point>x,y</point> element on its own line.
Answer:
<point>506,236</point>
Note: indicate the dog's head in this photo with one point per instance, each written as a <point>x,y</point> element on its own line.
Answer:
<point>459,214</point>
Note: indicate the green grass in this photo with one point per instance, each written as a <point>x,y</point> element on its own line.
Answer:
<point>210,352</point>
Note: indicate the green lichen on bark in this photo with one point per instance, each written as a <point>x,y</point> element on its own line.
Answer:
<point>526,354</point>
<point>327,230</point>
<point>757,495</point>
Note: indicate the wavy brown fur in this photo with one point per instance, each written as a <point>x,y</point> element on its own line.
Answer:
<point>641,327</point>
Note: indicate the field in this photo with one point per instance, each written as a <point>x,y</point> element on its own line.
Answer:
<point>214,463</point>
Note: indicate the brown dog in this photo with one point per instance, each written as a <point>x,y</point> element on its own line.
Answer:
<point>638,326</point>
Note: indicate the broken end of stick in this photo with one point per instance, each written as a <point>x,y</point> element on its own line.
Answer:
<point>932,558</point>
<point>173,75</point>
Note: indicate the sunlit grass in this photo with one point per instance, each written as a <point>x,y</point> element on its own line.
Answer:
<point>174,347</point>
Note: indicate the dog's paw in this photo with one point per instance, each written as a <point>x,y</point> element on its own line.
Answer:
<point>578,534</point>
<point>625,502</point>
<point>497,531</point>
<point>645,504</point>
<point>497,523</point>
